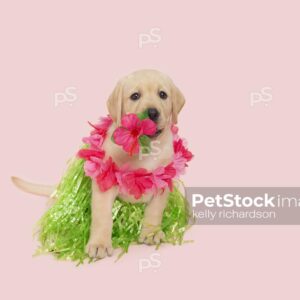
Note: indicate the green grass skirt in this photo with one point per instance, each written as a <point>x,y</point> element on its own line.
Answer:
<point>64,228</point>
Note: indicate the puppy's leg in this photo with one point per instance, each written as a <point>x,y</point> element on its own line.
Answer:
<point>99,244</point>
<point>151,232</point>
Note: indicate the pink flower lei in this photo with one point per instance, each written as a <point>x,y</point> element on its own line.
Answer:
<point>135,182</point>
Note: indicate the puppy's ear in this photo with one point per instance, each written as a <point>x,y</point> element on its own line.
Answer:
<point>178,101</point>
<point>114,103</point>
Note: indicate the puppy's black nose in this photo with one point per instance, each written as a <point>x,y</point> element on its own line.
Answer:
<point>153,114</point>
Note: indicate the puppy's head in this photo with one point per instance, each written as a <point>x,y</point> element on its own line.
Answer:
<point>146,91</point>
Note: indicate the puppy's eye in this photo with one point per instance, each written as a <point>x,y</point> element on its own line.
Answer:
<point>163,95</point>
<point>135,96</point>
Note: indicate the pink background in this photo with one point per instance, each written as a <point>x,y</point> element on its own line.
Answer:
<point>218,53</point>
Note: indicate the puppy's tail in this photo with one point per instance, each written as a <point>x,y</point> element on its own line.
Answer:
<point>33,188</point>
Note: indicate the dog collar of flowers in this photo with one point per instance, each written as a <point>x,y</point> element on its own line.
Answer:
<point>132,136</point>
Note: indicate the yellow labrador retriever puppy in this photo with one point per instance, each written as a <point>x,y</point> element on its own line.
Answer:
<point>142,91</point>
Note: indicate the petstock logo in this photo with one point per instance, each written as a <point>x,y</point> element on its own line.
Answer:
<point>244,205</point>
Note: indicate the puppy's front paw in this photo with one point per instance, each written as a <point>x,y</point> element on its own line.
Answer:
<point>99,249</point>
<point>151,236</point>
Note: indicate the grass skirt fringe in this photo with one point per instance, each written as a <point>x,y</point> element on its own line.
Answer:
<point>64,229</point>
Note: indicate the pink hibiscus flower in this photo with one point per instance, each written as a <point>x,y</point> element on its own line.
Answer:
<point>92,167</point>
<point>93,159</point>
<point>135,182</point>
<point>97,136</point>
<point>179,164</point>
<point>107,177</point>
<point>102,127</point>
<point>95,140</point>
<point>88,153</point>
<point>157,178</point>
<point>174,129</point>
<point>170,173</point>
<point>180,148</point>
<point>162,177</point>
<point>131,130</point>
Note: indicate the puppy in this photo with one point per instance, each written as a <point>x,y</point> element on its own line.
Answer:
<point>143,91</point>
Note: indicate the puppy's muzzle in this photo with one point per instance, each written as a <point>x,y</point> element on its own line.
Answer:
<point>153,114</point>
